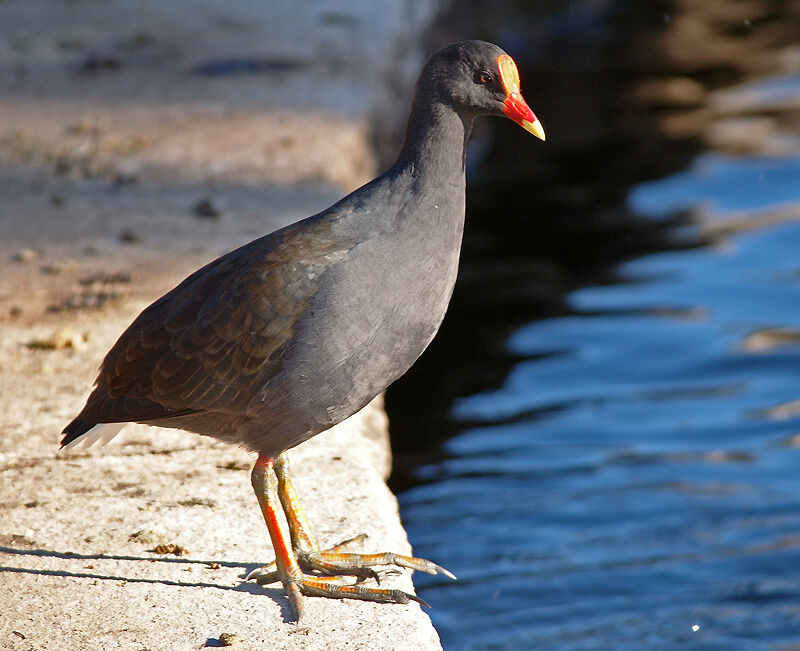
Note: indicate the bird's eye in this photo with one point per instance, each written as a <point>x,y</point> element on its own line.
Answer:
<point>484,77</point>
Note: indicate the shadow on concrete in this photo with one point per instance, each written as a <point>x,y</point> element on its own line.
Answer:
<point>276,594</point>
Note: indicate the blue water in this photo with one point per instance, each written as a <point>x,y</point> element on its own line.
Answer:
<point>635,481</point>
<point>724,184</point>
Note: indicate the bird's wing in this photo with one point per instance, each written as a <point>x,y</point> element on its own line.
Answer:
<point>216,339</point>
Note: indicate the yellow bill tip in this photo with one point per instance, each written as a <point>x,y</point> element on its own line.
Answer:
<point>535,128</point>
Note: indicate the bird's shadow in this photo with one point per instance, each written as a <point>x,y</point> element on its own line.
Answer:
<point>276,594</point>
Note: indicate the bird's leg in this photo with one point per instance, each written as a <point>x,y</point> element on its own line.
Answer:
<point>303,540</point>
<point>334,561</point>
<point>287,569</point>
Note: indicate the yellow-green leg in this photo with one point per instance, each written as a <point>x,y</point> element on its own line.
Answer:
<point>297,547</point>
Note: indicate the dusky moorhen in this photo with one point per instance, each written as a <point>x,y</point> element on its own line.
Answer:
<point>292,333</point>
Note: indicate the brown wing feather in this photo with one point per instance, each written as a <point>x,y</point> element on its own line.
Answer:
<point>215,340</point>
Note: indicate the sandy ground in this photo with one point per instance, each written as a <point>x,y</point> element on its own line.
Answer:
<point>124,165</point>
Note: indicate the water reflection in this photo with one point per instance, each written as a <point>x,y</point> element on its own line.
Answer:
<point>617,380</point>
<point>643,481</point>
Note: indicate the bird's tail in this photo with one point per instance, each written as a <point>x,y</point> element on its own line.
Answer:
<point>79,433</point>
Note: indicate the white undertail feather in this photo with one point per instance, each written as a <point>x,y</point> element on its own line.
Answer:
<point>102,432</point>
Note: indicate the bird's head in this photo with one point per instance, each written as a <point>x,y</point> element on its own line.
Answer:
<point>479,78</point>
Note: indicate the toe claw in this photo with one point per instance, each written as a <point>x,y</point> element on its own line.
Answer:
<point>438,569</point>
<point>264,574</point>
<point>419,564</point>
<point>371,574</point>
<point>419,600</point>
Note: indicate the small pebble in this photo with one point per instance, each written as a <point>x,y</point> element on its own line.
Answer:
<point>128,236</point>
<point>72,42</point>
<point>87,300</point>
<point>96,62</point>
<point>60,339</point>
<point>124,178</point>
<point>146,536</point>
<point>234,465</point>
<point>139,38</point>
<point>170,548</point>
<point>206,209</point>
<point>25,256</point>
<point>197,501</point>
<point>229,639</point>
<point>102,278</point>
<point>55,268</point>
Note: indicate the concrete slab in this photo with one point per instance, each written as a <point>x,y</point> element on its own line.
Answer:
<point>78,570</point>
<point>109,139</point>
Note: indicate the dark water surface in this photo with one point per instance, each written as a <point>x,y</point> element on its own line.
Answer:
<point>621,467</point>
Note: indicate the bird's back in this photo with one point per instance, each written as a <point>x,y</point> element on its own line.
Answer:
<point>291,333</point>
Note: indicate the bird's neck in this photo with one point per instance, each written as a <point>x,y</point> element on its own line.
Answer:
<point>436,141</point>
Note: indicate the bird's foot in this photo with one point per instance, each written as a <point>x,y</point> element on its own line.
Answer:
<point>334,562</point>
<point>331,566</point>
<point>330,586</point>
<point>301,566</point>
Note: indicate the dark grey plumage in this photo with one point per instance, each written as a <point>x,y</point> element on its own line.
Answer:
<point>294,332</point>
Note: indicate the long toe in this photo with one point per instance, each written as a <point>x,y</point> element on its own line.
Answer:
<point>314,586</point>
<point>319,561</point>
<point>334,562</point>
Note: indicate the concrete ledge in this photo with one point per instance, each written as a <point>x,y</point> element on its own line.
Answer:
<point>77,572</point>
<point>109,137</point>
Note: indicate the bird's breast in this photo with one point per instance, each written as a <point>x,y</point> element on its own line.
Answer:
<point>375,313</point>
